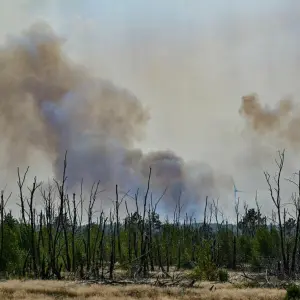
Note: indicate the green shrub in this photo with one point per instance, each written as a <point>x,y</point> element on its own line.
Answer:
<point>211,273</point>
<point>205,267</point>
<point>196,274</point>
<point>207,272</point>
<point>293,292</point>
<point>188,265</point>
<point>256,263</point>
<point>223,275</point>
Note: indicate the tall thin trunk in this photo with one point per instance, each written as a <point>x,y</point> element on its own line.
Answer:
<point>2,229</point>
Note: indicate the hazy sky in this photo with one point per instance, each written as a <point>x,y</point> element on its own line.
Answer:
<point>189,61</point>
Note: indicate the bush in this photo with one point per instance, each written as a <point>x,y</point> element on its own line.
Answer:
<point>188,265</point>
<point>293,292</point>
<point>223,275</point>
<point>211,273</point>
<point>256,263</point>
<point>208,272</point>
<point>196,274</point>
<point>205,267</point>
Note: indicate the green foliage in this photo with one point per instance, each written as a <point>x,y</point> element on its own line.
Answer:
<point>209,273</point>
<point>263,243</point>
<point>206,268</point>
<point>225,242</point>
<point>292,292</point>
<point>201,249</point>
<point>250,222</point>
<point>223,275</point>
<point>245,248</point>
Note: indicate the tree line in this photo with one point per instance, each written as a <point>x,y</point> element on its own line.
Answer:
<point>55,242</point>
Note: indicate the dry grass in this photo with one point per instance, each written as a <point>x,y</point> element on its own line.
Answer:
<point>50,290</point>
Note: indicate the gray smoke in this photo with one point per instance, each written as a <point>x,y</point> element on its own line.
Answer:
<point>50,104</point>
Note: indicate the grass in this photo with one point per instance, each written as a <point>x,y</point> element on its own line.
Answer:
<point>50,290</point>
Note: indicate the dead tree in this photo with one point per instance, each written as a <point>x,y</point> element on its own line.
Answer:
<point>2,227</point>
<point>41,245</point>
<point>90,212</point>
<point>275,194</point>
<point>74,225</point>
<point>48,222</point>
<point>101,248</point>
<point>296,201</point>
<point>150,225</point>
<point>21,194</point>
<point>178,228</point>
<point>60,219</point>
<point>117,207</point>
<point>144,240</point>
<point>235,237</point>
<point>2,215</point>
<point>112,246</point>
<point>32,220</point>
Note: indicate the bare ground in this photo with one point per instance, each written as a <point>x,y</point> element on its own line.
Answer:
<point>50,290</point>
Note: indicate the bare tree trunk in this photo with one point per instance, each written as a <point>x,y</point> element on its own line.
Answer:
<point>235,237</point>
<point>297,206</point>
<point>93,197</point>
<point>49,216</point>
<point>61,189</point>
<point>74,224</point>
<point>150,241</point>
<point>113,247</point>
<point>40,245</point>
<point>178,233</point>
<point>118,203</point>
<point>2,229</point>
<point>22,200</point>
<point>35,186</point>
<point>276,198</point>
<point>143,235</point>
<point>101,250</point>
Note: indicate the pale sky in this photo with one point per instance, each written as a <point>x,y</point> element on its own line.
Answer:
<point>189,61</point>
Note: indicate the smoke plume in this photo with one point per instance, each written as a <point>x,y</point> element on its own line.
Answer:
<point>282,122</point>
<point>53,105</point>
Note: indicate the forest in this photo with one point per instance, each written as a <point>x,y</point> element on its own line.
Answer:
<point>55,243</point>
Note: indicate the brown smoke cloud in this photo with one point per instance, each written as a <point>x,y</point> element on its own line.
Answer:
<point>50,104</point>
<point>282,121</point>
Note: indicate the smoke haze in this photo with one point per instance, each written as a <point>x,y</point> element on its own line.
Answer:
<point>50,104</point>
<point>282,121</point>
<point>185,71</point>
